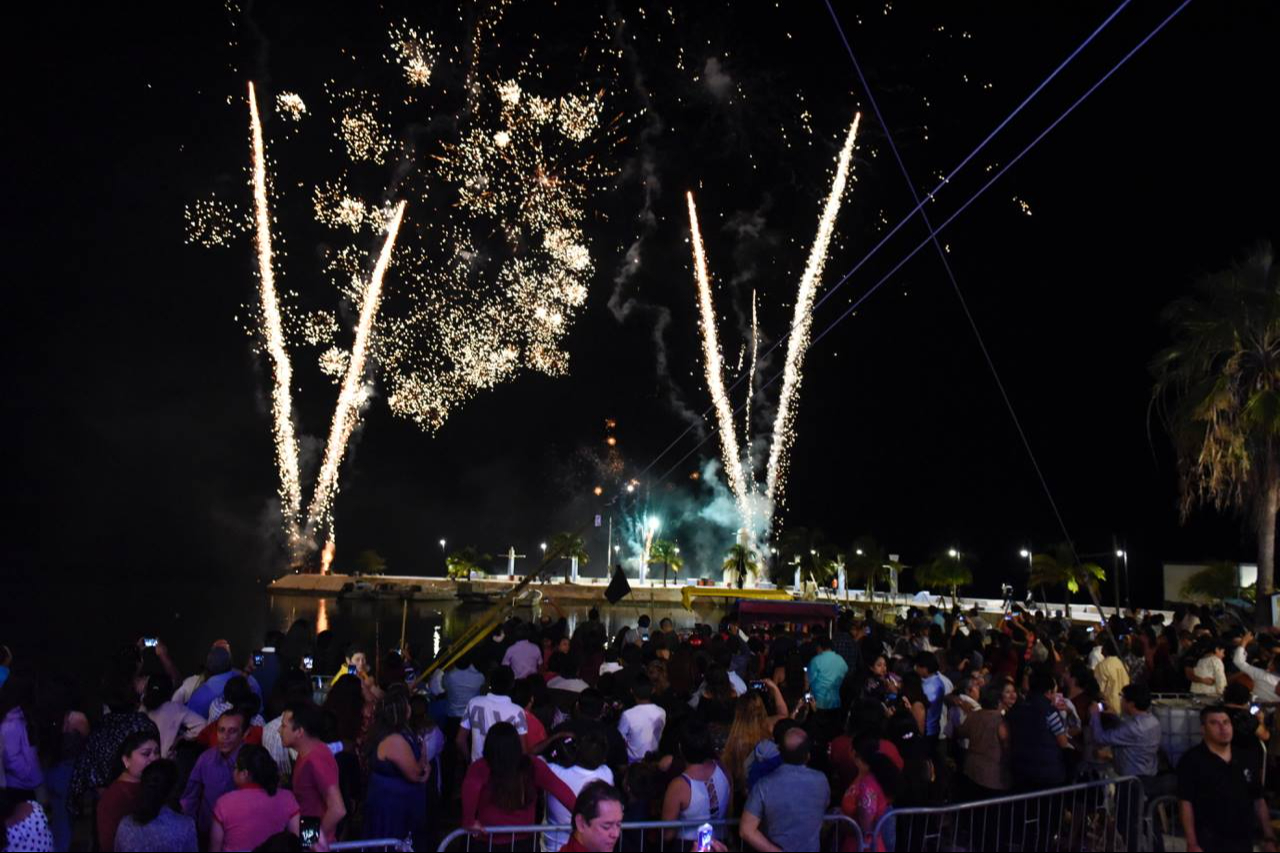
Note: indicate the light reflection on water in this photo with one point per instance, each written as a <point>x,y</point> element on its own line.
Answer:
<point>430,625</point>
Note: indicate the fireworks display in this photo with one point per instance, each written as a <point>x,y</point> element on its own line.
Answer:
<point>353,394</point>
<point>489,282</point>
<point>798,339</point>
<point>286,443</point>
<point>730,450</point>
<point>738,470</point>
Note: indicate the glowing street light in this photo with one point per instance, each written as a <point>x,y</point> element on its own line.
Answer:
<point>953,554</point>
<point>858,551</point>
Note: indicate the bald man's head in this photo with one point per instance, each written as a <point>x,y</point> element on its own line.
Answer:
<point>795,746</point>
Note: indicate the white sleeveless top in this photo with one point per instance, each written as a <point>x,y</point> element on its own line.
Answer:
<point>700,808</point>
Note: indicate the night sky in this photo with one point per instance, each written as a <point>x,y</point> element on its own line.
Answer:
<point>139,406</point>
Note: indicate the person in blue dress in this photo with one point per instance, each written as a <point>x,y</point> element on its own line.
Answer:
<point>396,801</point>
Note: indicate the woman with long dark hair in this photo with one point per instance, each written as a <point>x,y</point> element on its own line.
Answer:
<point>501,789</point>
<point>155,825</point>
<point>258,809</point>
<point>396,797</point>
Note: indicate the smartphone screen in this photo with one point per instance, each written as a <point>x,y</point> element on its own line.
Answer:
<point>310,832</point>
<point>258,658</point>
<point>308,662</point>
<point>150,642</point>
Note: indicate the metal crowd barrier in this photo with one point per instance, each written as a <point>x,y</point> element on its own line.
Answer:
<point>375,844</point>
<point>1105,815</point>
<point>638,836</point>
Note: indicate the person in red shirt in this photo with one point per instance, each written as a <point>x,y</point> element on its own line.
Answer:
<point>123,796</point>
<point>315,775</point>
<point>501,789</point>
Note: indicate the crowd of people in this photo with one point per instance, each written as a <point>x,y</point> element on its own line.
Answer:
<point>777,726</point>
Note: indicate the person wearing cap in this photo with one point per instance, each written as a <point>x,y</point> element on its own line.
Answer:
<point>217,665</point>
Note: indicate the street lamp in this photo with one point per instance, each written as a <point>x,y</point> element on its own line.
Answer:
<point>544,550</point>
<point>1124,556</point>
<point>953,554</point>
<point>858,551</point>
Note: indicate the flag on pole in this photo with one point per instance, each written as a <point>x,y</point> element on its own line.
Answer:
<point>619,588</point>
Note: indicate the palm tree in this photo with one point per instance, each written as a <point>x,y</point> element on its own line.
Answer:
<point>1061,568</point>
<point>1217,392</point>
<point>868,564</point>
<point>567,546</point>
<point>460,564</point>
<point>946,571</point>
<point>666,553</point>
<point>742,561</point>
<point>817,559</point>
<point>1216,581</point>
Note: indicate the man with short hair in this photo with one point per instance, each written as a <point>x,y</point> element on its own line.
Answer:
<point>666,626</point>
<point>1135,740</point>
<point>214,772</point>
<point>935,690</point>
<point>597,819</point>
<point>789,802</point>
<point>487,710</point>
<point>1220,802</point>
<point>315,775</point>
<point>1037,737</point>
<point>844,643</point>
<point>641,725</point>
<point>826,674</point>
<point>524,657</point>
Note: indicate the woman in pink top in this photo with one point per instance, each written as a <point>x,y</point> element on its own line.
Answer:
<point>872,793</point>
<point>502,788</point>
<point>258,809</point>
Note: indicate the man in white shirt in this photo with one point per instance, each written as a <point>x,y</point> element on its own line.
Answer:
<point>641,726</point>
<point>1264,680</point>
<point>589,753</point>
<point>489,709</point>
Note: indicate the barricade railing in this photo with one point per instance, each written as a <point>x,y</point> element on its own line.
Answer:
<point>374,844</point>
<point>639,836</point>
<point>1105,815</point>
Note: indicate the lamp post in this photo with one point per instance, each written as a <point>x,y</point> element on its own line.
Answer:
<point>1124,558</point>
<point>444,557</point>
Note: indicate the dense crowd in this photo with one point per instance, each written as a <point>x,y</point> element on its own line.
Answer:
<point>540,723</point>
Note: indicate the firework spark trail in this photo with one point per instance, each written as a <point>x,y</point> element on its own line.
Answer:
<point>798,340</point>
<point>347,412</point>
<point>751,382</point>
<point>714,369</point>
<point>281,398</point>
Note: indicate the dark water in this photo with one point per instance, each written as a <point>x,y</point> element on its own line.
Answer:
<point>76,627</point>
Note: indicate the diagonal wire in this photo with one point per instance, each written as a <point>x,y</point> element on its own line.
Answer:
<point>981,190</point>
<point>951,276</point>
<point>919,206</point>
